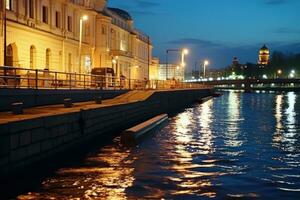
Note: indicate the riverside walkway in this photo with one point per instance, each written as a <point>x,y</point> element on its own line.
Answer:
<point>43,111</point>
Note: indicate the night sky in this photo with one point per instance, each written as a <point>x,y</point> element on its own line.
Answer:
<point>217,30</point>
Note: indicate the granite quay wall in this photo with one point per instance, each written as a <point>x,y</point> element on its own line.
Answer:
<point>22,143</point>
<point>32,98</point>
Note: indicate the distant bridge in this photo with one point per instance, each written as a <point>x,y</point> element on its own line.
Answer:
<point>254,84</point>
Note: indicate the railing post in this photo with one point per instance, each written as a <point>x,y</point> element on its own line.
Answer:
<point>36,79</point>
<point>83,81</point>
<point>55,81</point>
<point>70,81</point>
<point>15,78</point>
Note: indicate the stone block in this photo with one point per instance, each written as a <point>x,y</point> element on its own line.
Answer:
<point>25,138</point>
<point>46,145</point>
<point>18,154</point>
<point>55,120</point>
<point>33,149</point>
<point>4,145</point>
<point>14,141</point>
<point>57,141</point>
<point>21,126</point>
<point>4,161</point>
<point>63,129</point>
<point>37,135</point>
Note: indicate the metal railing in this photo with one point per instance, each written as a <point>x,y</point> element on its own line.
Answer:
<point>14,77</point>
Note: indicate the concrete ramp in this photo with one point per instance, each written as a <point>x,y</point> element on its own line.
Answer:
<point>132,96</point>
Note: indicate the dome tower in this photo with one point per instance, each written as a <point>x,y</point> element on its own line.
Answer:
<point>264,56</point>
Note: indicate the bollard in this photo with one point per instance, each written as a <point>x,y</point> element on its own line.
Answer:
<point>17,108</point>
<point>68,103</point>
<point>98,100</point>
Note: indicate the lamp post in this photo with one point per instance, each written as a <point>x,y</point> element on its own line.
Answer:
<point>82,19</point>
<point>205,63</point>
<point>183,53</point>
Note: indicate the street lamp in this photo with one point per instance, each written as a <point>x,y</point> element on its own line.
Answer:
<point>183,53</point>
<point>279,72</point>
<point>204,67</point>
<point>292,74</point>
<point>82,19</point>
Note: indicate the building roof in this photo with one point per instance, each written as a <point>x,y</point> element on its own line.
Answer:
<point>264,47</point>
<point>122,13</point>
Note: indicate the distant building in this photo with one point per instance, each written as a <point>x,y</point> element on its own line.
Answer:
<point>173,72</point>
<point>264,56</point>
<point>235,61</point>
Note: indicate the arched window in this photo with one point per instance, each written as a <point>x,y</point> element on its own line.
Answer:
<point>48,58</point>
<point>9,55</point>
<point>32,57</point>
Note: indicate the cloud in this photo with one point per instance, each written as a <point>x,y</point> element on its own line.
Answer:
<point>275,2</point>
<point>285,30</point>
<point>195,41</point>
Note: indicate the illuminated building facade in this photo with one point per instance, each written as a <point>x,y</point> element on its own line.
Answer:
<point>172,72</point>
<point>73,36</point>
<point>264,56</point>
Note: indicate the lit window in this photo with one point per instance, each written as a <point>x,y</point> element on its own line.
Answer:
<point>9,5</point>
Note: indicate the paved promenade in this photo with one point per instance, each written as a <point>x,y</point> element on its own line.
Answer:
<point>43,111</point>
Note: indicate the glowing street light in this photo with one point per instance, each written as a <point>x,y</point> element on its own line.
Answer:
<point>292,74</point>
<point>204,67</point>
<point>82,19</point>
<point>183,51</point>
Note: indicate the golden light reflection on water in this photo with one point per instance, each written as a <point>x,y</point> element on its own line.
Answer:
<point>192,180</point>
<point>233,120</point>
<point>106,176</point>
<point>286,129</point>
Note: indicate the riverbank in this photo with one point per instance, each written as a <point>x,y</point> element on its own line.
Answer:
<point>42,132</point>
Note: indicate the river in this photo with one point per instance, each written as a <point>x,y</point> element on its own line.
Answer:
<point>237,146</point>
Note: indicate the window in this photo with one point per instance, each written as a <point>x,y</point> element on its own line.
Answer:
<point>48,57</point>
<point>70,63</point>
<point>69,23</point>
<point>57,19</point>
<point>9,4</point>
<point>45,14</point>
<point>32,57</point>
<point>31,9</point>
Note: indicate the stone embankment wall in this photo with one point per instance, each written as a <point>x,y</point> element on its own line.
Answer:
<point>31,97</point>
<point>22,143</point>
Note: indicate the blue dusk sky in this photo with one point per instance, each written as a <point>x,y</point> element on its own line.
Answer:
<point>217,30</point>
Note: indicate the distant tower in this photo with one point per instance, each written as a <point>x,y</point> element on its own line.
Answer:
<point>235,61</point>
<point>264,56</point>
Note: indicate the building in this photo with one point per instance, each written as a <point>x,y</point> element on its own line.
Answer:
<point>120,46</point>
<point>171,72</point>
<point>73,36</point>
<point>154,68</point>
<point>264,56</point>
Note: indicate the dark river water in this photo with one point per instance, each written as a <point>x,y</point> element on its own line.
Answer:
<point>238,146</point>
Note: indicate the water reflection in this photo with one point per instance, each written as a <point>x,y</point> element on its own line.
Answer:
<point>233,120</point>
<point>244,146</point>
<point>193,179</point>
<point>105,175</point>
<point>285,115</point>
